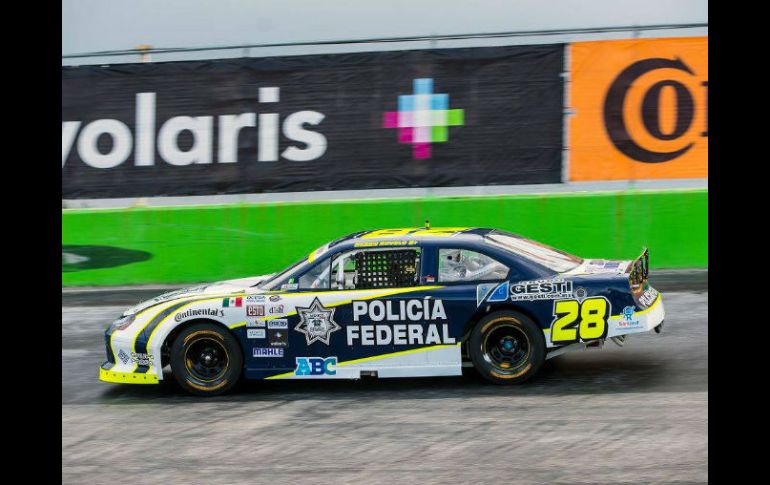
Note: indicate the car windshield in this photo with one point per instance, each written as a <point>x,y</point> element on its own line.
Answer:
<point>278,277</point>
<point>551,258</point>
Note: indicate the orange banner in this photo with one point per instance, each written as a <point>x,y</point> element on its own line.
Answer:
<point>639,109</point>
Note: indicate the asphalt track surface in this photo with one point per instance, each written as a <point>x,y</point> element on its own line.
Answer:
<point>637,414</point>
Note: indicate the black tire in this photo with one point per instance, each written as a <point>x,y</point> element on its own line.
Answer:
<point>507,347</point>
<point>206,359</point>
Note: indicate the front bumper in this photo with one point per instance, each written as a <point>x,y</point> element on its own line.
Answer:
<point>106,374</point>
<point>122,362</point>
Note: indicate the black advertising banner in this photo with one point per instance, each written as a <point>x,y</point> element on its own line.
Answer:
<point>423,118</point>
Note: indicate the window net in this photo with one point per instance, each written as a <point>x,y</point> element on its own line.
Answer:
<point>386,269</point>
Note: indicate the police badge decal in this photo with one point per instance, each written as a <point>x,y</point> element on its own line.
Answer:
<point>316,322</point>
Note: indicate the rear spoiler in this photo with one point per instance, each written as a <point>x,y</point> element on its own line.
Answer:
<point>639,270</point>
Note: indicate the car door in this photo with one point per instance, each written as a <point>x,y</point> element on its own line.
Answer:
<point>467,276</point>
<point>396,326</point>
<point>342,309</point>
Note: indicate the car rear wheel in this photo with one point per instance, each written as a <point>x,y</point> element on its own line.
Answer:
<point>507,347</point>
<point>206,359</point>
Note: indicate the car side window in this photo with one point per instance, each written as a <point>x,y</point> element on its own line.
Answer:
<point>316,278</point>
<point>464,265</point>
<point>376,268</point>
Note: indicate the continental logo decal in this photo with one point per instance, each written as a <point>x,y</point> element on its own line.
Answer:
<point>640,109</point>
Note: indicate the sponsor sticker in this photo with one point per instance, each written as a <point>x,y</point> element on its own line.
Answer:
<point>278,323</point>
<point>255,310</point>
<point>211,312</point>
<point>500,293</point>
<point>603,266</point>
<point>255,333</point>
<point>541,290</point>
<point>141,359</point>
<point>648,297</point>
<point>482,291</point>
<point>628,313</point>
<point>255,324</point>
<point>275,298</point>
<point>267,352</point>
<point>278,337</point>
<point>290,286</point>
<point>316,366</point>
<point>628,319</point>
<point>124,356</point>
<point>275,309</point>
<point>255,298</point>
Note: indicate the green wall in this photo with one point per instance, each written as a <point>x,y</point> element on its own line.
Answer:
<point>206,243</point>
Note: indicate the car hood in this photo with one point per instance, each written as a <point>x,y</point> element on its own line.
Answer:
<point>217,288</point>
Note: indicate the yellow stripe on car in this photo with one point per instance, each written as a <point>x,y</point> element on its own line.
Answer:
<point>375,357</point>
<point>343,302</point>
<point>393,354</point>
<point>640,312</point>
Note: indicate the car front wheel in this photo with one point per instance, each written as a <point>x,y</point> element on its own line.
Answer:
<point>206,359</point>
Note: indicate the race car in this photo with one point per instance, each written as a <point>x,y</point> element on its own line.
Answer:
<point>408,302</point>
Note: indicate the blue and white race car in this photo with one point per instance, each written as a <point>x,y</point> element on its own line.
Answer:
<point>388,303</point>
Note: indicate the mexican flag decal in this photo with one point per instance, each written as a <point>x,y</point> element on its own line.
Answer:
<point>230,302</point>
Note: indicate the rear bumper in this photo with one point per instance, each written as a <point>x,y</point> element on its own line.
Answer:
<point>639,322</point>
<point>106,374</point>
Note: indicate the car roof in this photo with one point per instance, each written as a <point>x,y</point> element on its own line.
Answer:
<point>403,236</point>
<point>422,234</point>
<point>457,237</point>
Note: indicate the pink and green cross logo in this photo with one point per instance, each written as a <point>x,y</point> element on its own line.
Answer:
<point>423,118</point>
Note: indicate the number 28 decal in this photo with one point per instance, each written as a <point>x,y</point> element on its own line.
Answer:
<point>574,320</point>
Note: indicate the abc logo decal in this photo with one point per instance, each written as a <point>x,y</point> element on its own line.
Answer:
<point>316,366</point>
<point>617,108</point>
